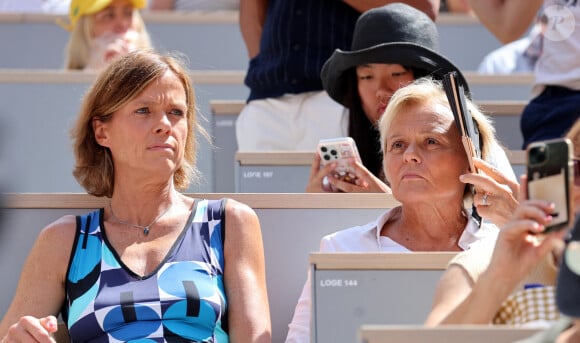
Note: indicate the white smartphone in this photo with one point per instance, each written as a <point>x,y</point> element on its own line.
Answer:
<point>339,150</point>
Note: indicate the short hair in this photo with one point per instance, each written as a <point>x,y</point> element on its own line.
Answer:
<point>425,90</point>
<point>123,80</point>
<point>78,48</point>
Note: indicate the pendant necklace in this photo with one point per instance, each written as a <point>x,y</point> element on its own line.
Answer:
<point>145,228</point>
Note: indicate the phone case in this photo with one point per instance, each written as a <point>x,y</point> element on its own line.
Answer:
<point>339,150</point>
<point>465,124</point>
<point>463,120</point>
<point>550,177</point>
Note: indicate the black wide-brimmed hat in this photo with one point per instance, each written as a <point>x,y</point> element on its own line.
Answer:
<point>395,33</point>
<point>568,284</point>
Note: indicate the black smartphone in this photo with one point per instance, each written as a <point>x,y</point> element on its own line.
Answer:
<point>550,177</point>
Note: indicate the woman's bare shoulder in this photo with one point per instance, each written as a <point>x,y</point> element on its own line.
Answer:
<point>58,236</point>
<point>239,211</point>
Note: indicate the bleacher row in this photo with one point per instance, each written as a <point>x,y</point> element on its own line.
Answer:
<point>38,108</point>
<point>38,103</point>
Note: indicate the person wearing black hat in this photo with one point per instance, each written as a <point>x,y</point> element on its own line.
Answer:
<point>392,46</point>
<point>288,41</point>
<point>526,263</point>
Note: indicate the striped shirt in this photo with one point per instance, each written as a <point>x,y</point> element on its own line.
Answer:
<point>297,38</point>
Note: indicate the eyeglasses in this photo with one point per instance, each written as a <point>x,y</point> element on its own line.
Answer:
<point>576,171</point>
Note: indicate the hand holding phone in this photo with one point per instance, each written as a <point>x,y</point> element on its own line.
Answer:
<point>550,177</point>
<point>340,150</point>
<point>466,125</point>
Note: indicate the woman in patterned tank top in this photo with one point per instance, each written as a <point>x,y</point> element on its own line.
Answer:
<point>152,264</point>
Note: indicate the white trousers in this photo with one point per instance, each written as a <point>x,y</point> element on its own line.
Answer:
<point>290,122</point>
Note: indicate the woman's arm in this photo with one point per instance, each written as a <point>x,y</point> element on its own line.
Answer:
<point>458,301</point>
<point>245,276</point>
<point>40,292</point>
<point>252,17</point>
<point>519,248</point>
<point>507,20</point>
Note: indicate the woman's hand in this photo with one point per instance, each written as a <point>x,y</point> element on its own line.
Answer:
<point>521,245</point>
<point>496,195</point>
<point>365,181</point>
<point>31,329</point>
<point>317,174</point>
<point>108,47</point>
<point>519,248</point>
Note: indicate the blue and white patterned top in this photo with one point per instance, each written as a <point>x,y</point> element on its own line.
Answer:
<point>183,300</point>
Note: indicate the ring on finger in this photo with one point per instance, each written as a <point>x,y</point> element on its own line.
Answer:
<point>484,199</point>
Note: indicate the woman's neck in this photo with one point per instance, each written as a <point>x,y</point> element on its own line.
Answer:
<point>425,229</point>
<point>134,201</point>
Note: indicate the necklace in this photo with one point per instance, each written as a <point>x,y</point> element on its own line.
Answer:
<point>145,228</point>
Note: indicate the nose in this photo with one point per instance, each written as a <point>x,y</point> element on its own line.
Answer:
<point>411,154</point>
<point>122,24</point>
<point>163,125</point>
<point>385,91</point>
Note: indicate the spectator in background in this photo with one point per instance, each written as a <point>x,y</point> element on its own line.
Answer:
<point>554,108</point>
<point>194,5</point>
<point>102,30</point>
<point>519,56</point>
<point>392,46</point>
<point>288,41</point>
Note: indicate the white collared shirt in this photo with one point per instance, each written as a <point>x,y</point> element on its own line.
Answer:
<point>367,238</point>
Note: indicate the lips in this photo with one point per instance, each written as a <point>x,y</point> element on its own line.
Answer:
<point>411,177</point>
<point>163,146</point>
<point>381,110</point>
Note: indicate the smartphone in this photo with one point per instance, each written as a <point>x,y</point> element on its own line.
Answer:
<point>550,177</point>
<point>339,150</point>
<point>465,123</point>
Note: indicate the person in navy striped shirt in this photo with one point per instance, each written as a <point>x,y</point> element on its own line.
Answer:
<point>288,41</point>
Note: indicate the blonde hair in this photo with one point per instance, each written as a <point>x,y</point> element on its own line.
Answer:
<point>78,48</point>
<point>425,90</point>
<point>123,80</point>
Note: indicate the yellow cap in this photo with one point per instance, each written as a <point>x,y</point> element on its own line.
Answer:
<point>79,8</point>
